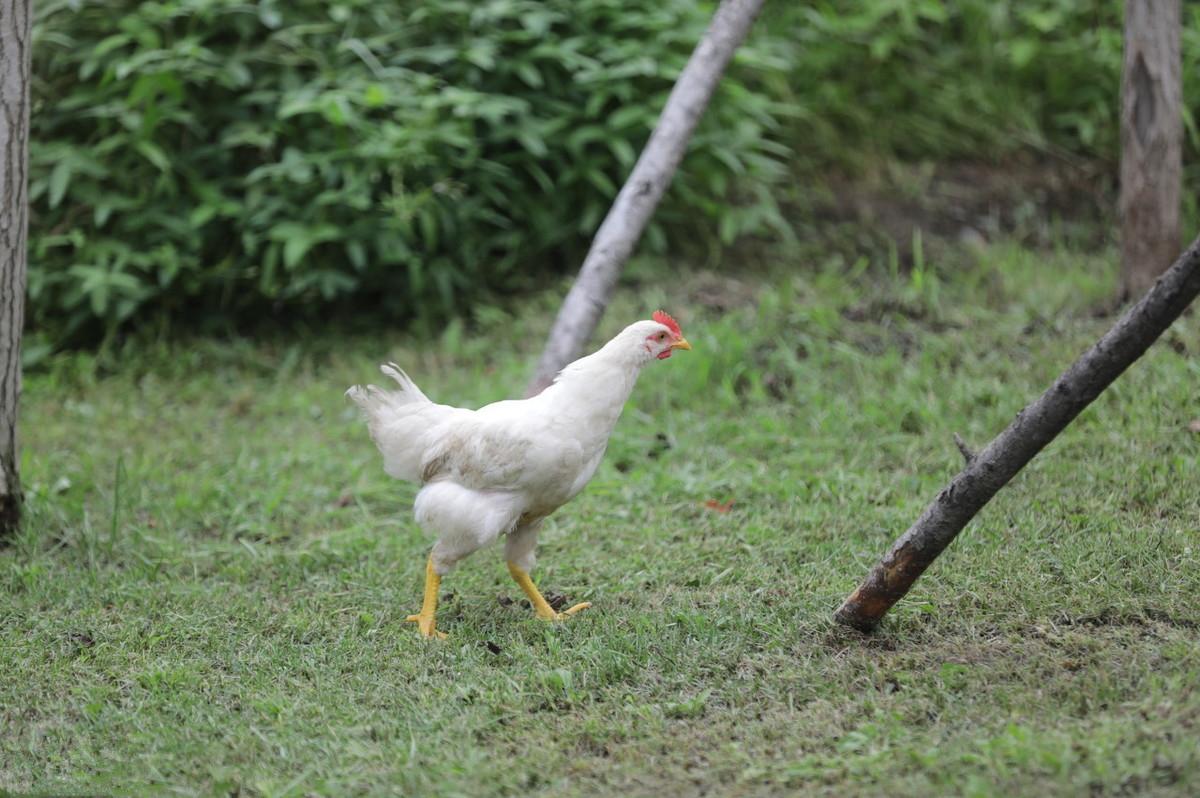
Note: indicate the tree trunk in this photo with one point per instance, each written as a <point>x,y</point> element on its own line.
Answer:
<point>14,159</point>
<point>623,226</point>
<point>1033,428</point>
<point>1151,142</point>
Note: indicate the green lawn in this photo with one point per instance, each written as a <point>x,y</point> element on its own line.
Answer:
<point>210,592</point>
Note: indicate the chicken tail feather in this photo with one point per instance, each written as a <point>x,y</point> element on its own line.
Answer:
<point>373,399</point>
<point>402,422</point>
<point>407,386</point>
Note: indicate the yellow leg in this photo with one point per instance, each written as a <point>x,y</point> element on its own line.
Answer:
<point>543,609</point>
<point>425,618</point>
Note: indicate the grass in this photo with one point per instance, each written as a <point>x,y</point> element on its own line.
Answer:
<point>209,594</point>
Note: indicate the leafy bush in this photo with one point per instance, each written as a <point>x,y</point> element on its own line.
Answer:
<point>931,79</point>
<point>219,156</point>
<point>226,158</point>
<point>922,78</point>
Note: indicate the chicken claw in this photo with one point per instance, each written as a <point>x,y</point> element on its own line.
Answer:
<point>562,616</point>
<point>427,626</point>
<point>540,605</point>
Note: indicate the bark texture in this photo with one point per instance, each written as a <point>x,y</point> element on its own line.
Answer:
<point>1033,428</point>
<point>1151,142</point>
<point>635,204</point>
<point>14,159</point>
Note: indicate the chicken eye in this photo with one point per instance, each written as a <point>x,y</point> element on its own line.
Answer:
<point>662,336</point>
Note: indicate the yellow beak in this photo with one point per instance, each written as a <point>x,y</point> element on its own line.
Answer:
<point>681,343</point>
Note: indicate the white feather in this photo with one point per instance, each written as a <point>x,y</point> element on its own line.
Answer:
<point>403,423</point>
<point>465,520</point>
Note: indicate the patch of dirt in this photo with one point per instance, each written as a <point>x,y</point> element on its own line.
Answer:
<point>876,344</point>
<point>1148,617</point>
<point>883,309</point>
<point>82,639</point>
<point>662,443</point>
<point>968,203</point>
<point>845,639</point>
<point>720,293</point>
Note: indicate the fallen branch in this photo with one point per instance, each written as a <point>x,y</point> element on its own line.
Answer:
<point>635,204</point>
<point>1033,428</point>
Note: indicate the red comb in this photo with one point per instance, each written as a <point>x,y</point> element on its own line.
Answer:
<point>664,318</point>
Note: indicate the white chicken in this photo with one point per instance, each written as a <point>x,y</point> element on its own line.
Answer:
<point>502,469</point>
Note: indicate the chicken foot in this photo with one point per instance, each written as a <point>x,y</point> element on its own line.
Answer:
<point>426,623</point>
<point>540,605</point>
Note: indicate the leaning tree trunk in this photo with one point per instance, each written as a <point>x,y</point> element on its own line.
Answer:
<point>1151,142</point>
<point>635,204</point>
<point>14,158</point>
<point>1030,431</point>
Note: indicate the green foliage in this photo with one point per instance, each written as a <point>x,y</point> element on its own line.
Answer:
<point>927,79</point>
<point>193,156</point>
<point>934,79</point>
<point>231,159</point>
